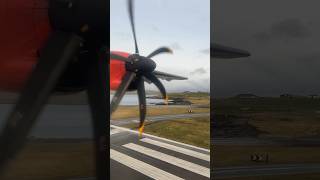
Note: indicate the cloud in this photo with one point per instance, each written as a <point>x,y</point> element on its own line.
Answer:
<point>198,71</point>
<point>261,36</point>
<point>154,28</point>
<point>176,46</point>
<point>311,60</point>
<point>123,35</point>
<point>290,28</point>
<point>286,30</point>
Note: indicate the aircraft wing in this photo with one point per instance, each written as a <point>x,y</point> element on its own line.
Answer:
<point>167,76</point>
<point>219,51</point>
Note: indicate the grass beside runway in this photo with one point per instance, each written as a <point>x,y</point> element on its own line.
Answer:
<point>132,111</point>
<point>193,131</point>
<point>52,161</point>
<point>198,99</point>
<point>233,155</point>
<point>275,117</point>
<point>287,125</point>
<point>268,117</point>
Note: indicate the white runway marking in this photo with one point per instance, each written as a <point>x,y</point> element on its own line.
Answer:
<point>177,149</point>
<point>114,131</point>
<point>170,159</point>
<point>156,137</point>
<point>142,167</point>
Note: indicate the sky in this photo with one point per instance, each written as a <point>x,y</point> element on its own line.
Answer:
<point>182,25</point>
<point>283,38</point>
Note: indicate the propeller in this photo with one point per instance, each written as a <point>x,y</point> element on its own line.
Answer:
<point>79,36</point>
<point>138,68</point>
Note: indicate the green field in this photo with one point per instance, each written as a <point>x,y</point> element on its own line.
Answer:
<point>276,117</point>
<point>267,117</point>
<point>194,131</point>
<point>197,98</point>
<point>132,111</point>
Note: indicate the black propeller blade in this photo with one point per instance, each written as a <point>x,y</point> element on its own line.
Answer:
<point>142,103</point>
<point>58,52</point>
<point>79,33</point>
<point>126,81</point>
<point>97,92</point>
<point>159,51</point>
<point>130,9</point>
<point>138,68</point>
<point>157,82</point>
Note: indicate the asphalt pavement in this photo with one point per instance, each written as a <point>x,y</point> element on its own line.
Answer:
<point>265,170</point>
<point>151,157</point>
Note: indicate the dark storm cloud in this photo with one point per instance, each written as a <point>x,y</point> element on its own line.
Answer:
<point>309,58</point>
<point>290,28</point>
<point>198,71</point>
<point>287,56</point>
<point>285,30</point>
<point>262,36</point>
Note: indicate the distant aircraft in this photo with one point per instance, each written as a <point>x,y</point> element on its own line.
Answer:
<point>224,52</point>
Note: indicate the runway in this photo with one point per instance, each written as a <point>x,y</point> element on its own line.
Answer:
<point>281,169</point>
<point>266,141</point>
<point>120,122</point>
<point>265,170</point>
<point>151,157</point>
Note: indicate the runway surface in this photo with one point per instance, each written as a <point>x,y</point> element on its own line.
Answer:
<point>282,169</point>
<point>120,122</point>
<point>266,141</point>
<point>265,170</point>
<point>151,157</point>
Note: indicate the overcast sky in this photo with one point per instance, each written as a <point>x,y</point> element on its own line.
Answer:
<point>283,38</point>
<point>181,25</point>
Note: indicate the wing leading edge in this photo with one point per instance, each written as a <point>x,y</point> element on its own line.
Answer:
<point>167,76</point>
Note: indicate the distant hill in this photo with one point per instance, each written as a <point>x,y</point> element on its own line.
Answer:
<point>135,92</point>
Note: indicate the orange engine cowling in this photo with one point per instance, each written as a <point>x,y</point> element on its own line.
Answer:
<point>25,28</point>
<point>117,70</point>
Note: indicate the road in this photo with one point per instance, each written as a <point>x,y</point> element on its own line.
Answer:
<point>120,122</point>
<point>151,157</point>
<point>282,169</point>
